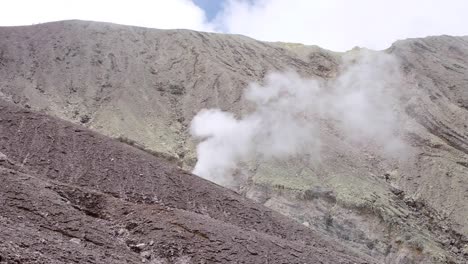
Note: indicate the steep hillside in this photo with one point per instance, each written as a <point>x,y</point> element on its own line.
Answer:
<point>144,86</point>
<point>133,81</point>
<point>71,195</point>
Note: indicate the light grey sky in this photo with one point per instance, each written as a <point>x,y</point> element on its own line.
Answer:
<point>333,24</point>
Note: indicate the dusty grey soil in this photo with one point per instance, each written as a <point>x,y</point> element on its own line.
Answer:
<point>69,195</point>
<point>145,85</point>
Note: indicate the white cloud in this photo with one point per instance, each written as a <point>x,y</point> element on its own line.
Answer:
<point>343,24</point>
<point>333,24</point>
<point>147,13</point>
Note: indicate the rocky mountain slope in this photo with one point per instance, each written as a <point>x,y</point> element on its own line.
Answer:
<point>144,86</point>
<point>70,195</point>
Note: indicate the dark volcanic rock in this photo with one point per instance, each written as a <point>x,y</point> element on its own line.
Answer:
<point>69,195</point>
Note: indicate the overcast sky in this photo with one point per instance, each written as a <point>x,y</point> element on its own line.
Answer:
<point>333,24</point>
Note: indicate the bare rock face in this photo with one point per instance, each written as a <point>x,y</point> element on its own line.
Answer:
<point>144,86</point>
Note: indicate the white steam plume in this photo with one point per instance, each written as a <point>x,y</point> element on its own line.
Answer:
<point>288,111</point>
